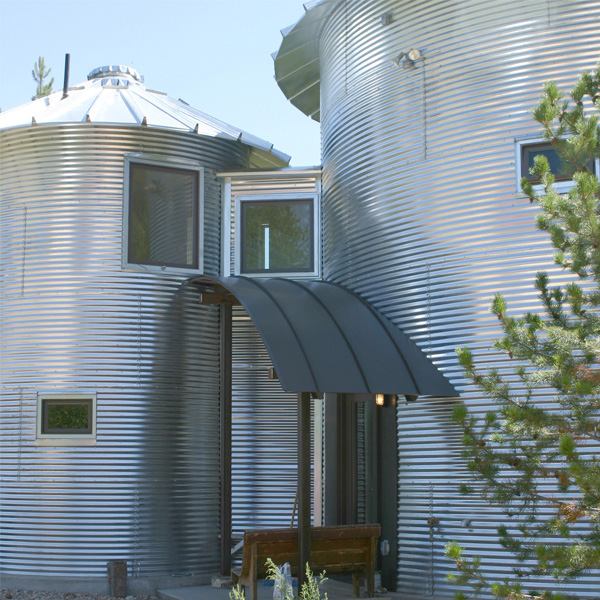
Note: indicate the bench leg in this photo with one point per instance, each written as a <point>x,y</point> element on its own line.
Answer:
<point>254,572</point>
<point>371,583</point>
<point>356,585</point>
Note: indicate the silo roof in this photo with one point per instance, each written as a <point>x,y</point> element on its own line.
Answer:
<point>116,95</point>
<point>297,66</point>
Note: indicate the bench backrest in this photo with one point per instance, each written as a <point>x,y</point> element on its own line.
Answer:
<point>339,549</point>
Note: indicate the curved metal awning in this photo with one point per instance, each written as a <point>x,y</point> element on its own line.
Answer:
<point>297,63</point>
<point>323,338</point>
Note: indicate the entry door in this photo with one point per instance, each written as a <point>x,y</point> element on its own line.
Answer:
<point>361,470</point>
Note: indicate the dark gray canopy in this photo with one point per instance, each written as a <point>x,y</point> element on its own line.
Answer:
<point>323,338</point>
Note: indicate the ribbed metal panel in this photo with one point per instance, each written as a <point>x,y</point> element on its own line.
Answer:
<point>264,436</point>
<point>73,320</point>
<point>422,216</point>
<point>265,439</point>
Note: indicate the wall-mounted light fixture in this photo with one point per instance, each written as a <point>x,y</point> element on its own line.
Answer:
<point>387,18</point>
<point>409,58</point>
<point>380,399</point>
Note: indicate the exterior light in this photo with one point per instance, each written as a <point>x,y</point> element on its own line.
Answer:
<point>413,55</point>
<point>380,399</point>
<point>408,59</point>
<point>386,18</point>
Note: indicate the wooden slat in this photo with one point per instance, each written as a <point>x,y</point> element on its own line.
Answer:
<point>342,549</point>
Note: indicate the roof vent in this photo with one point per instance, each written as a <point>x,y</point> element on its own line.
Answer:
<point>115,70</point>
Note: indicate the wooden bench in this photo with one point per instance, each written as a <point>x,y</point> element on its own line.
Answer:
<point>342,549</point>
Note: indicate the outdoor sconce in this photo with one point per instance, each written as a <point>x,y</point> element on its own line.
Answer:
<point>408,59</point>
<point>386,400</point>
<point>387,18</point>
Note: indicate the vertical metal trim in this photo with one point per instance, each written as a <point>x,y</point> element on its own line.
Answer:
<point>387,461</point>
<point>226,423</point>
<point>331,463</point>
<point>226,229</point>
<point>23,259</point>
<point>318,473</point>
<point>303,484</point>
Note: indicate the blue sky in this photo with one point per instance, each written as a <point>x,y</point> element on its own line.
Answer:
<point>214,54</point>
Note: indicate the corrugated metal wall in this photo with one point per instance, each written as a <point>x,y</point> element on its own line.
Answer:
<point>73,320</point>
<point>264,436</point>
<point>422,216</point>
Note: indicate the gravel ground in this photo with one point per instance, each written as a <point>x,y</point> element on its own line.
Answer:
<point>25,595</point>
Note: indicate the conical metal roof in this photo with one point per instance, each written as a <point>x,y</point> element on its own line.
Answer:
<point>116,95</point>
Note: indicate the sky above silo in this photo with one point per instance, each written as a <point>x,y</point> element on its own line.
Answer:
<point>214,54</point>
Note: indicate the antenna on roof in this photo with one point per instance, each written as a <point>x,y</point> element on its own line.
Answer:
<point>66,80</point>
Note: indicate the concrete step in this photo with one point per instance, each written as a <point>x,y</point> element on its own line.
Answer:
<point>199,592</point>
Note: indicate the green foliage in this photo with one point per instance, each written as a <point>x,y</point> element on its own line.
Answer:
<point>311,588</point>
<point>39,74</point>
<point>525,457</point>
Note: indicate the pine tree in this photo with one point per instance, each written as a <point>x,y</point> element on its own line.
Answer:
<point>537,460</point>
<point>39,74</point>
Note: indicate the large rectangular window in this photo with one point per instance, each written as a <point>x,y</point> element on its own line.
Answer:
<point>163,216</point>
<point>277,235</point>
<point>66,416</point>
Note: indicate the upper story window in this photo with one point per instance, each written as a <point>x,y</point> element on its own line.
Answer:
<point>527,150</point>
<point>278,234</point>
<point>163,210</point>
<point>66,417</point>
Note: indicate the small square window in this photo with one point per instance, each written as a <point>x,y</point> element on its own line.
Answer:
<point>163,216</point>
<point>277,235</point>
<point>65,416</point>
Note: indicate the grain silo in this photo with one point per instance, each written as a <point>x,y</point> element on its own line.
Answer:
<point>110,367</point>
<point>425,111</point>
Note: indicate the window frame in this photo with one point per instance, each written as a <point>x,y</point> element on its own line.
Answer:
<point>562,187</point>
<point>314,197</point>
<point>164,163</point>
<point>64,438</point>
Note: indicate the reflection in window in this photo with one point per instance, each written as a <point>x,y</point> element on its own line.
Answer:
<point>277,236</point>
<point>67,416</point>
<point>163,216</point>
<point>560,170</point>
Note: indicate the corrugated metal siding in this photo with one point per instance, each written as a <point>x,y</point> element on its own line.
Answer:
<point>422,217</point>
<point>264,436</point>
<point>72,320</point>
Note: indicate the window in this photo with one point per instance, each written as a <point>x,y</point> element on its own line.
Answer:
<point>66,416</point>
<point>527,150</point>
<point>278,234</point>
<point>163,216</point>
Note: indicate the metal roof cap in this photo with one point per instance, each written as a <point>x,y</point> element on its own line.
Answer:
<point>115,95</point>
